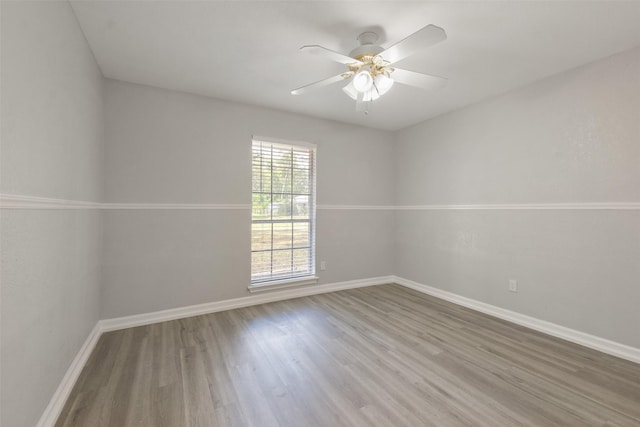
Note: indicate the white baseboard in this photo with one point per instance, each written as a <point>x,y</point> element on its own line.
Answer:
<point>59,398</point>
<point>591,341</point>
<point>213,307</point>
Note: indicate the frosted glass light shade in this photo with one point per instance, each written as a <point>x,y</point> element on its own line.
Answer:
<point>362,81</point>
<point>369,95</point>
<point>382,83</point>
<point>350,90</point>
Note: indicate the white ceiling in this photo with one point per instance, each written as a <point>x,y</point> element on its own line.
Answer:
<point>249,51</point>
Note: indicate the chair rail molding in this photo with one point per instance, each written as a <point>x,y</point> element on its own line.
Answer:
<point>19,201</point>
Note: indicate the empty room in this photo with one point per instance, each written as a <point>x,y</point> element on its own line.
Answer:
<point>319,213</point>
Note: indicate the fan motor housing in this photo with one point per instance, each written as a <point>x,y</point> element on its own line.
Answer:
<point>365,50</point>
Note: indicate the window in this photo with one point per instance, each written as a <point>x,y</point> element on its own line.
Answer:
<point>283,212</point>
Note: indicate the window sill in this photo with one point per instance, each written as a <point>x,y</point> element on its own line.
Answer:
<point>284,283</point>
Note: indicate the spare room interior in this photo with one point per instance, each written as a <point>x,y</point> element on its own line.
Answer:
<point>319,213</point>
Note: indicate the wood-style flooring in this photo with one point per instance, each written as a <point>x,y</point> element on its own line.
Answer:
<point>376,356</point>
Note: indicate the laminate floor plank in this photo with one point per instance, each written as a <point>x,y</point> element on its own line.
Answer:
<point>375,356</point>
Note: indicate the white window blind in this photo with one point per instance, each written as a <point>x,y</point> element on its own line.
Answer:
<point>283,211</point>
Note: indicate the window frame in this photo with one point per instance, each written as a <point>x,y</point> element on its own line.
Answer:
<point>287,279</point>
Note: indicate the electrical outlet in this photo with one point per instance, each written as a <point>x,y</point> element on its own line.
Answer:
<point>513,285</point>
<point>323,265</point>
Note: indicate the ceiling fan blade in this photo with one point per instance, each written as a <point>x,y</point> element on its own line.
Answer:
<point>361,105</point>
<point>330,54</point>
<point>411,78</point>
<point>321,83</point>
<point>419,40</point>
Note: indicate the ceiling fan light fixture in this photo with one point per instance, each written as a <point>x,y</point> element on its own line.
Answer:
<point>350,91</point>
<point>371,67</point>
<point>367,96</point>
<point>382,84</point>
<point>362,81</point>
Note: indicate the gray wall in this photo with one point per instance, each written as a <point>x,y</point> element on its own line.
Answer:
<point>571,138</point>
<point>52,130</point>
<point>171,147</point>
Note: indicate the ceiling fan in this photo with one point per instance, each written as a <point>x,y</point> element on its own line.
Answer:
<point>369,66</point>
